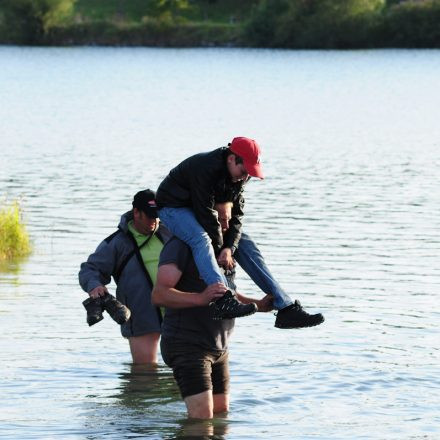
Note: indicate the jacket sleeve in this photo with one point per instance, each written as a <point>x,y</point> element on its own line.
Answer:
<point>233,235</point>
<point>98,268</point>
<point>203,201</point>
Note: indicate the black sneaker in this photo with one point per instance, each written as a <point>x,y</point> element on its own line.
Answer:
<point>115,309</point>
<point>228,307</point>
<point>294,316</point>
<point>94,310</point>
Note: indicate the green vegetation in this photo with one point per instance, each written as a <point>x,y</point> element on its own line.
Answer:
<point>314,24</point>
<point>412,24</point>
<point>28,21</point>
<point>345,24</point>
<point>217,11</point>
<point>324,24</point>
<point>14,240</point>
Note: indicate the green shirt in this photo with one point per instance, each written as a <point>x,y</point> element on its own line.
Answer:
<point>150,252</point>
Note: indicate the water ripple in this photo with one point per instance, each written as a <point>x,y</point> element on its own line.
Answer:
<point>347,219</point>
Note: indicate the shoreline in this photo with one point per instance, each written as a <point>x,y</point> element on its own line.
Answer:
<point>181,35</point>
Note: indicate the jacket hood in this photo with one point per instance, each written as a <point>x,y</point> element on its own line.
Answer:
<point>125,218</point>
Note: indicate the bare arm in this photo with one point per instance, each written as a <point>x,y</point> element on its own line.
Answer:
<point>166,294</point>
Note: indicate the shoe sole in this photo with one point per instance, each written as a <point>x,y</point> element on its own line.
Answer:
<point>288,327</point>
<point>220,318</point>
<point>95,322</point>
<point>119,315</point>
<point>121,319</point>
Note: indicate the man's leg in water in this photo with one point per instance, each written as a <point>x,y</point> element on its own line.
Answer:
<point>144,348</point>
<point>200,406</point>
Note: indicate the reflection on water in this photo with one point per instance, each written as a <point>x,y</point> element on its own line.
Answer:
<point>10,272</point>
<point>144,404</point>
<point>347,218</point>
<point>144,385</point>
<point>203,429</point>
<point>11,266</point>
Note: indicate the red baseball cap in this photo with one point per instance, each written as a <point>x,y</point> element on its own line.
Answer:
<point>250,152</point>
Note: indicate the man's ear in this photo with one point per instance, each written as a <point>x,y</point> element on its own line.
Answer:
<point>230,158</point>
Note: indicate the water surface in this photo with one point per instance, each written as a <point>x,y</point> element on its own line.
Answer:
<point>347,219</point>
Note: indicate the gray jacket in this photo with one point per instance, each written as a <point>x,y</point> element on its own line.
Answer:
<point>118,256</point>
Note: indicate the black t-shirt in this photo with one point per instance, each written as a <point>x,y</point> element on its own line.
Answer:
<point>193,325</point>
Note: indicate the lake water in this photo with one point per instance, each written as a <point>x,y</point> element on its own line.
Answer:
<point>348,219</point>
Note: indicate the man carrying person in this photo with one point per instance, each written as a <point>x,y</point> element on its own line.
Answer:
<point>130,256</point>
<point>194,344</point>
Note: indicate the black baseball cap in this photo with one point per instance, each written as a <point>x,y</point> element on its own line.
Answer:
<point>146,201</point>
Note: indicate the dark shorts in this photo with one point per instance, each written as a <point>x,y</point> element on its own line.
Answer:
<point>195,369</point>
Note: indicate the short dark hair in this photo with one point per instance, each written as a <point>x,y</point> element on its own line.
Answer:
<point>238,159</point>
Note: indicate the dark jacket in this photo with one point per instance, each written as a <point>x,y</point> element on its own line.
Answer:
<point>198,183</point>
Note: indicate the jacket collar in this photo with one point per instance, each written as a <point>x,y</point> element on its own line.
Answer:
<point>162,232</point>
<point>125,218</point>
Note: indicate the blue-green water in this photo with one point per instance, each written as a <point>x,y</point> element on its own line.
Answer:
<point>348,218</point>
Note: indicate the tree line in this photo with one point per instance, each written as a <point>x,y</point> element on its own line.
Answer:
<point>345,24</point>
<point>298,24</point>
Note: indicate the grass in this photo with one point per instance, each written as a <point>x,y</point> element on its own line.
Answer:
<point>14,239</point>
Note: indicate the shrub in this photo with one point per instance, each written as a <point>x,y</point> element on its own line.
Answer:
<point>151,32</point>
<point>262,28</point>
<point>314,23</point>
<point>412,24</point>
<point>14,239</point>
<point>27,21</point>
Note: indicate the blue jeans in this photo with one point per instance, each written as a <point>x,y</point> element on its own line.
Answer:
<point>183,224</point>
<point>249,257</point>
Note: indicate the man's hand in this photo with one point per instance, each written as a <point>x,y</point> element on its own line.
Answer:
<point>265,304</point>
<point>211,293</point>
<point>98,291</point>
<point>225,259</point>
